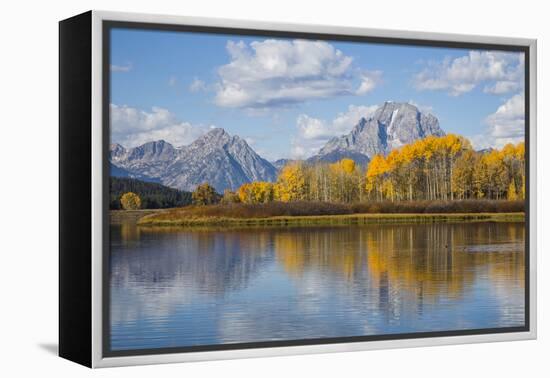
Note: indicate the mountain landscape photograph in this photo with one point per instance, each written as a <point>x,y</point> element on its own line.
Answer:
<point>276,189</point>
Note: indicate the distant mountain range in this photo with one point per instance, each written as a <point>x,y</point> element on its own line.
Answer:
<point>227,162</point>
<point>224,161</point>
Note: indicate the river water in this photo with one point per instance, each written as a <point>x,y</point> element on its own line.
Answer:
<point>194,287</point>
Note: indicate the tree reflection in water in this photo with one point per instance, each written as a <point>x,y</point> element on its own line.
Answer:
<point>175,287</point>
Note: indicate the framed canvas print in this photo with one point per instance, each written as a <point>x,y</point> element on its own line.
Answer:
<point>235,189</point>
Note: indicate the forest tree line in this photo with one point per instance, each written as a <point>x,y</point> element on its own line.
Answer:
<point>433,168</point>
<point>150,195</point>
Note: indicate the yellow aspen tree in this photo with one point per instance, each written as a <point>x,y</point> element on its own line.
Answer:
<point>244,193</point>
<point>291,184</point>
<point>375,176</point>
<point>512,194</point>
<point>130,201</point>
<point>520,156</point>
<point>463,174</point>
<point>230,197</point>
<point>204,194</point>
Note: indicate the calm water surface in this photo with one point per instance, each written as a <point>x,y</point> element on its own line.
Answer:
<point>177,288</point>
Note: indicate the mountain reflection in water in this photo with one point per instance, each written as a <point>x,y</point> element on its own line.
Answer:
<point>177,288</point>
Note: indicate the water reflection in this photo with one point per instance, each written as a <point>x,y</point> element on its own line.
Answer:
<point>174,287</point>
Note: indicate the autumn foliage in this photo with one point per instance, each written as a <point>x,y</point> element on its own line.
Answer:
<point>447,168</point>
<point>256,192</point>
<point>434,169</point>
<point>205,194</point>
<point>229,197</point>
<point>431,169</point>
<point>130,201</point>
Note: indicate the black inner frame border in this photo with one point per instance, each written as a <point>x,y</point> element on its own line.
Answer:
<point>108,25</point>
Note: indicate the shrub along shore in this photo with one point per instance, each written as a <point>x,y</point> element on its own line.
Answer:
<point>322,213</point>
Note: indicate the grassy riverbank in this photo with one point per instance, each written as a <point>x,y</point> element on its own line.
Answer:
<point>303,214</point>
<point>132,216</point>
<point>349,219</point>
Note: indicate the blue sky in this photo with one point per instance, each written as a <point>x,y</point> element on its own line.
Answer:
<point>288,97</point>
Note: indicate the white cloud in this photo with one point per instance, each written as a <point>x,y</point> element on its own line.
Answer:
<point>121,68</point>
<point>345,121</point>
<point>303,148</point>
<point>502,72</point>
<point>313,133</point>
<point>369,81</point>
<point>312,128</point>
<point>132,127</point>
<point>279,72</point>
<point>197,85</point>
<point>505,125</point>
<point>501,87</point>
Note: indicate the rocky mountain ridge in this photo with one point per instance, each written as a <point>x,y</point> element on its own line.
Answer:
<point>391,126</point>
<point>227,162</point>
<point>224,161</point>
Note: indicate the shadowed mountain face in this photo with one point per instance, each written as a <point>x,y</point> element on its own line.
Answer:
<point>224,161</point>
<point>119,172</point>
<point>146,162</point>
<point>391,126</point>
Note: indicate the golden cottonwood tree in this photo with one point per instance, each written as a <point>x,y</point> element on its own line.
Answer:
<point>291,183</point>
<point>130,201</point>
<point>204,194</point>
<point>375,176</point>
<point>229,197</point>
<point>256,192</point>
<point>463,175</point>
<point>345,181</point>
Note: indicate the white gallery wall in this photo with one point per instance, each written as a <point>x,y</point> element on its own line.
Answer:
<point>29,174</point>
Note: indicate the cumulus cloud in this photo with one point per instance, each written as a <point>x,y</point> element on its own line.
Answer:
<point>501,87</point>
<point>505,125</point>
<point>121,68</point>
<point>132,127</point>
<point>279,72</point>
<point>369,81</point>
<point>312,128</point>
<point>501,72</point>
<point>312,133</point>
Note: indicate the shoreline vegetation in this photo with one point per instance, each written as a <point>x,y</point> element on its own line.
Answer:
<point>333,220</point>
<point>316,214</point>
<point>435,179</point>
<point>443,168</point>
<point>133,216</point>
